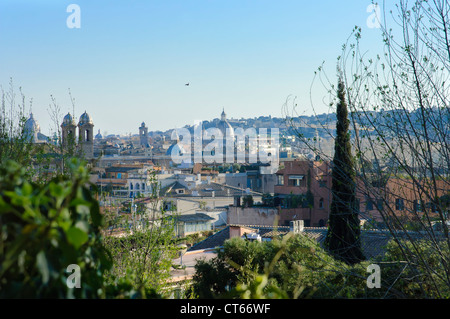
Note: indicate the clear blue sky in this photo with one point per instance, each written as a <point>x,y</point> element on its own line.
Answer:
<point>130,60</point>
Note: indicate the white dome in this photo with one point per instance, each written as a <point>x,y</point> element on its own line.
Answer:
<point>32,129</point>
<point>223,125</point>
<point>31,126</point>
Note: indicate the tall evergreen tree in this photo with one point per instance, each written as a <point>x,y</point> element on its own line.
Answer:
<point>343,236</point>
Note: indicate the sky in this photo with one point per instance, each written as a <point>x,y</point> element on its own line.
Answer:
<point>127,62</point>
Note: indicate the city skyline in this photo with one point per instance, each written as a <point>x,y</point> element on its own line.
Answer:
<point>130,63</point>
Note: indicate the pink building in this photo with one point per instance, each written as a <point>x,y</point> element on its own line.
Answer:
<point>303,191</point>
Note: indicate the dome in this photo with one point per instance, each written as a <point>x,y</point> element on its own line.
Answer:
<point>175,149</point>
<point>68,120</point>
<point>98,136</point>
<point>224,125</point>
<point>31,126</point>
<point>85,119</point>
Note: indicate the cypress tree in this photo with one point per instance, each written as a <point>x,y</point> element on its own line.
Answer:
<point>343,236</point>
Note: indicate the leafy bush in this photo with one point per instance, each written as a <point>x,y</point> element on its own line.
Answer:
<point>419,269</point>
<point>46,228</point>
<point>292,267</point>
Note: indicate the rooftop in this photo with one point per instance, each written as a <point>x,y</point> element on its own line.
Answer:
<point>192,218</point>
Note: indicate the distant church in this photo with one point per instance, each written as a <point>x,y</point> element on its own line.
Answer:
<point>224,126</point>
<point>143,136</point>
<point>216,153</point>
<point>85,141</point>
<point>32,131</point>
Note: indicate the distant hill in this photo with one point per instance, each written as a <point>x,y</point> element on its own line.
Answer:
<point>324,124</point>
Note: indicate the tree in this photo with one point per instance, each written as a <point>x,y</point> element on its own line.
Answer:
<point>14,142</point>
<point>143,254</point>
<point>399,111</point>
<point>400,101</point>
<point>343,236</point>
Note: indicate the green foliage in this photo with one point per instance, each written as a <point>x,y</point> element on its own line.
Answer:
<point>297,267</point>
<point>212,278</point>
<point>46,228</point>
<point>343,237</point>
<point>299,201</point>
<point>268,200</point>
<point>14,144</point>
<point>247,201</point>
<point>194,238</point>
<point>142,260</point>
<point>445,204</point>
<point>292,267</point>
<point>260,288</point>
<point>142,257</point>
<point>419,268</point>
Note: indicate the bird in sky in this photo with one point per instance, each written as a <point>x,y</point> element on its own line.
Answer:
<point>187,84</point>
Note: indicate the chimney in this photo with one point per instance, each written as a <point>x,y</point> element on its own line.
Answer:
<point>296,226</point>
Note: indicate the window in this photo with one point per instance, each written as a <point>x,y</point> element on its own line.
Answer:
<point>418,205</point>
<point>196,226</point>
<point>297,180</point>
<point>380,204</point>
<point>369,204</point>
<point>399,204</point>
<point>119,175</point>
<point>280,180</point>
<point>322,183</point>
<point>432,207</point>
<point>321,205</point>
<point>168,206</point>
